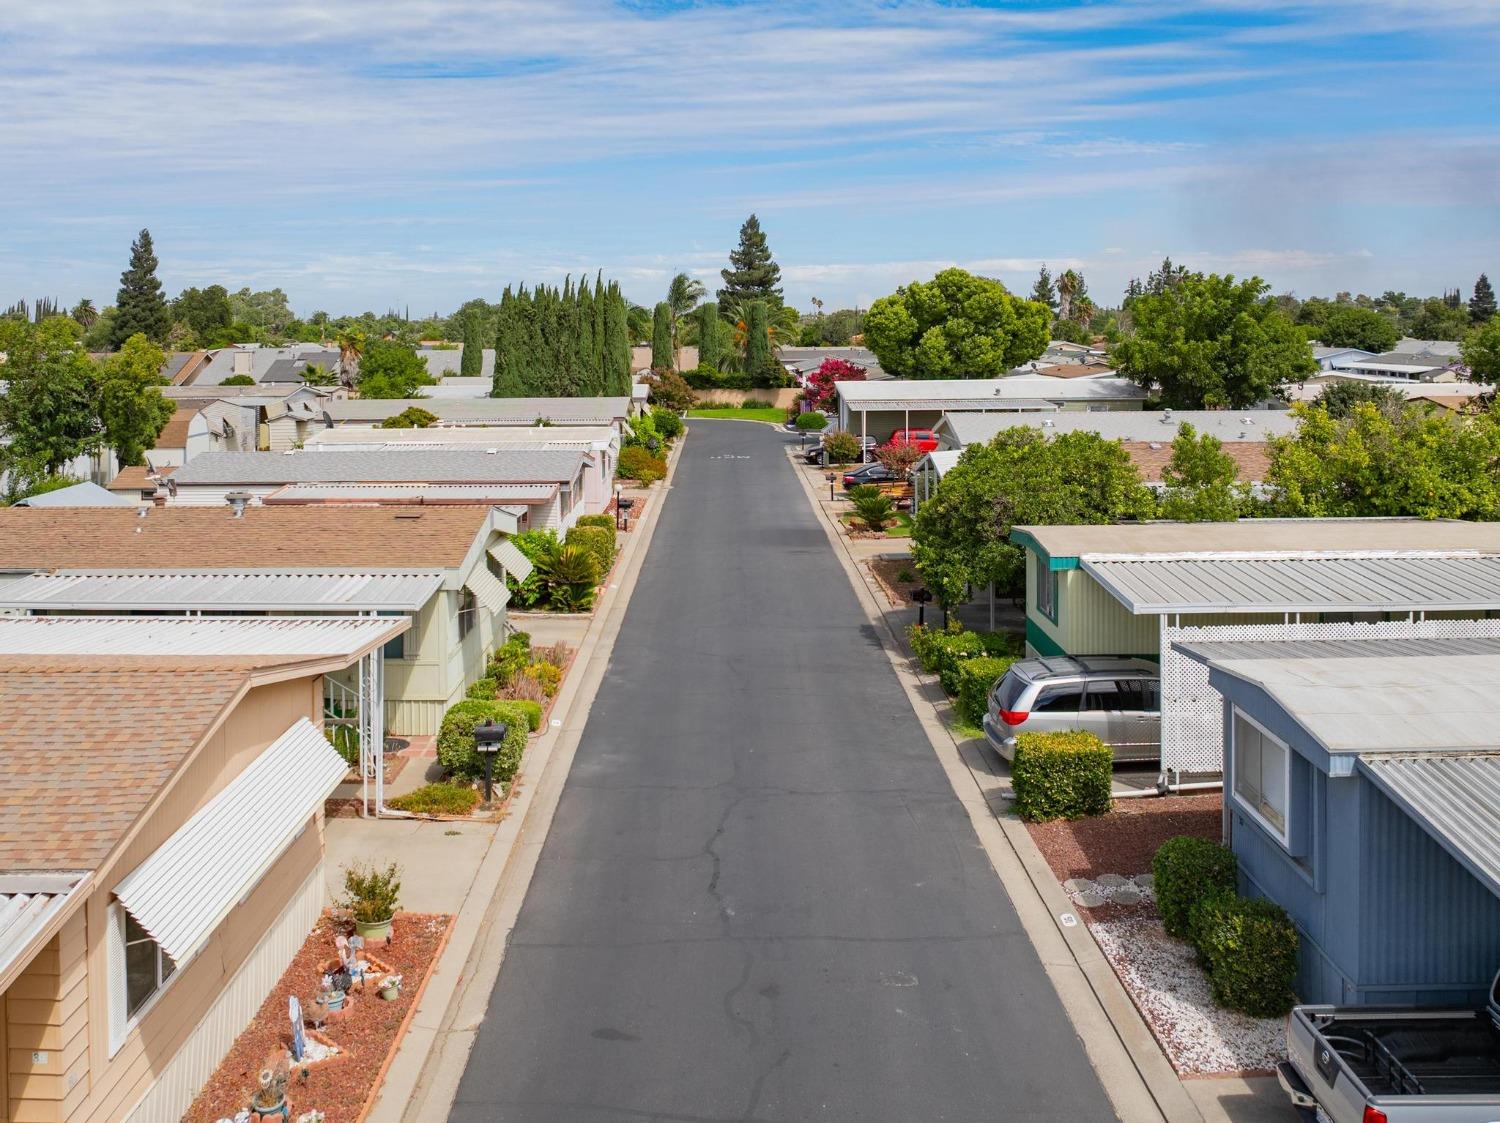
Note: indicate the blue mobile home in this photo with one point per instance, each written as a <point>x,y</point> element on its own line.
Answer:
<point>1362,794</point>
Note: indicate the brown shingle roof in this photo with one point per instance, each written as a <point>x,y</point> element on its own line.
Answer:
<point>84,749</point>
<point>1075,370</point>
<point>176,432</point>
<point>292,537</point>
<point>132,477</point>
<point>1151,457</point>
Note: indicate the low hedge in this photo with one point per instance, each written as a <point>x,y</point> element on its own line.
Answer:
<point>600,543</point>
<point>1186,870</point>
<point>976,678</point>
<point>1249,946</point>
<point>532,711</point>
<point>437,799</point>
<point>943,651</point>
<point>1063,775</point>
<point>668,423</point>
<point>604,522</point>
<point>455,744</point>
<point>483,688</point>
<point>811,421</point>
<point>637,463</point>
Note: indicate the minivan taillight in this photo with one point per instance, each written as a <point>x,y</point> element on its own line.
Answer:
<point>1014,717</point>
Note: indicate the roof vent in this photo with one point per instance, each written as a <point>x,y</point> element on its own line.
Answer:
<point>237,501</point>
<point>1156,444</point>
<point>1049,424</point>
<point>492,452</point>
<point>141,514</point>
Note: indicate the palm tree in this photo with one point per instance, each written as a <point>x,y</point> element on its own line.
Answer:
<point>351,344</point>
<point>85,314</point>
<point>683,295</point>
<point>1067,288</point>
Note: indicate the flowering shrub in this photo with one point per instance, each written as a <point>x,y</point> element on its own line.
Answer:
<point>820,392</point>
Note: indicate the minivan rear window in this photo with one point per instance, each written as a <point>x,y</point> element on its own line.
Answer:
<point>1009,692</point>
<point>1059,700</point>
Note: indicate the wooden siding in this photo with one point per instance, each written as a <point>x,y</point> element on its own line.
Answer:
<point>46,1013</point>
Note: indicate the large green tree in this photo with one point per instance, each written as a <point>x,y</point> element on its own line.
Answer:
<point>140,305</point>
<point>1208,341</point>
<point>661,337</point>
<point>1407,462</point>
<point>1482,303</point>
<point>206,311</point>
<point>1044,291</point>
<point>1481,351</point>
<point>471,361</point>
<point>48,410</point>
<point>1341,396</point>
<point>759,357</point>
<point>752,274</point>
<point>1348,325</point>
<point>1438,319</point>
<point>132,409</point>
<point>1201,480</point>
<point>955,326</point>
<point>390,369</point>
<point>961,535</point>
<point>711,342</point>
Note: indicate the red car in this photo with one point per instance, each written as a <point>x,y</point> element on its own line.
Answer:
<point>924,440</point>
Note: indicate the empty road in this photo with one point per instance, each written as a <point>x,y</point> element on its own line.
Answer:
<point>760,898</point>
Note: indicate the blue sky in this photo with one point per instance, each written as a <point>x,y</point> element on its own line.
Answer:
<point>383,153</point>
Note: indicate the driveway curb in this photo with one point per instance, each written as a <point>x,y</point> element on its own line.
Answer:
<point>423,1078</point>
<point>1140,1082</point>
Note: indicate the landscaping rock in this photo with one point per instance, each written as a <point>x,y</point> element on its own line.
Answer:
<point>1126,895</point>
<point>1092,899</point>
<point>1112,881</point>
<point>1078,885</point>
<point>1145,880</point>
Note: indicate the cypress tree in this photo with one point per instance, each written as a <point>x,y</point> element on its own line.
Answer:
<point>752,273</point>
<point>1482,303</point>
<point>757,341</point>
<point>140,305</point>
<point>617,351</point>
<point>590,381</point>
<point>601,334</point>
<point>661,337</point>
<point>710,336</point>
<point>471,362</point>
<point>508,379</point>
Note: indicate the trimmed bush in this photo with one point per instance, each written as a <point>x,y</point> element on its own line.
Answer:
<point>482,688</point>
<point>437,799</point>
<point>1061,775</point>
<point>841,446</point>
<point>811,421</point>
<point>668,423</point>
<point>1186,870</point>
<point>605,523</point>
<point>637,463</point>
<point>1250,948</point>
<point>532,711</point>
<point>455,744</point>
<point>598,542</point>
<point>976,678</point>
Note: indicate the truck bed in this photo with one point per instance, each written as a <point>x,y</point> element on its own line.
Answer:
<point>1403,1056</point>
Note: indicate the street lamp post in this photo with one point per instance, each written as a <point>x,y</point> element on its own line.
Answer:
<point>487,741</point>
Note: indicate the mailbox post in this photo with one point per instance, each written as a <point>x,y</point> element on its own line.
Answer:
<point>487,741</point>
<point>922,598</point>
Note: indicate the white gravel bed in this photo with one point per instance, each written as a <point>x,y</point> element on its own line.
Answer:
<point>1171,991</point>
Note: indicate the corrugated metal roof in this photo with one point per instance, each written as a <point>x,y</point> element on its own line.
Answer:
<point>84,494</point>
<point>182,892</point>
<point>387,465</point>
<point>28,903</point>
<point>1454,797</point>
<point>1392,582</point>
<point>173,636</point>
<point>884,393</point>
<point>509,555</point>
<point>498,411</point>
<point>424,493</point>
<point>971,427</point>
<point>468,436</point>
<point>1263,536</point>
<point>489,589</point>
<point>992,404</point>
<point>219,592</point>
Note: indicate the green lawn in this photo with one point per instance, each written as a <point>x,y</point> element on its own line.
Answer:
<point>901,528</point>
<point>764,413</point>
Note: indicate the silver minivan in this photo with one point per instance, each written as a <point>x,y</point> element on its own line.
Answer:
<point>1118,699</point>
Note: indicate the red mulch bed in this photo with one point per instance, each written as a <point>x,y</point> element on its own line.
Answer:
<point>898,592</point>
<point>635,512</point>
<point>1124,840</point>
<point>368,1033</point>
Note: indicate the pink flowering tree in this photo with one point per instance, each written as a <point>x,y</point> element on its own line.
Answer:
<point>820,393</point>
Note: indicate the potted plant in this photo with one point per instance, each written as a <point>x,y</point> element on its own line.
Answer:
<point>370,894</point>
<point>390,988</point>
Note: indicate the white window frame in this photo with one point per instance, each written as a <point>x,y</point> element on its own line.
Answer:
<point>1282,834</point>
<point>1046,583</point>
<point>468,605</point>
<point>122,1023</point>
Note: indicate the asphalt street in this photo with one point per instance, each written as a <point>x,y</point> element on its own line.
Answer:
<point>760,898</point>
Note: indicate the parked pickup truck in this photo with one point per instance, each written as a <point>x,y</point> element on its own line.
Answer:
<point>1381,1064</point>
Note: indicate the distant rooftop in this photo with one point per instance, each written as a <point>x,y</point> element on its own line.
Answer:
<point>1263,536</point>
<point>417,464</point>
<point>1129,425</point>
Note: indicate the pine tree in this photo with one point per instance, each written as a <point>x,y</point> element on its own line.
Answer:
<point>710,336</point>
<point>471,362</point>
<point>1044,291</point>
<point>140,305</point>
<point>753,274</point>
<point>661,337</point>
<point>1482,303</point>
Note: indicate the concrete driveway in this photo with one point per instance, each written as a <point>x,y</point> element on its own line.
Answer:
<point>760,898</point>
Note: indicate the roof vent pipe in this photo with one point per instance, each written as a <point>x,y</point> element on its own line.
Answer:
<point>237,501</point>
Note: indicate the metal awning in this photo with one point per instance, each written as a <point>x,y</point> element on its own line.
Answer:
<point>28,904</point>
<point>1454,797</point>
<point>169,636</point>
<point>509,555</point>
<point>172,591</point>
<point>1407,581</point>
<point>183,891</point>
<point>488,589</point>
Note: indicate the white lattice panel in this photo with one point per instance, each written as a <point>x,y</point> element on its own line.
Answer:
<point>1192,713</point>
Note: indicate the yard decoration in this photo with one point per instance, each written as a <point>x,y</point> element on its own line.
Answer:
<point>270,1097</point>
<point>371,894</point>
<point>390,988</point>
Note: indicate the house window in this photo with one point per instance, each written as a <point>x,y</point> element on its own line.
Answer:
<point>1046,589</point>
<point>467,612</point>
<point>1262,774</point>
<point>396,648</point>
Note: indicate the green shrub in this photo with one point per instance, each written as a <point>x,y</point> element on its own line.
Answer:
<point>873,507</point>
<point>668,423</point>
<point>548,674</point>
<point>841,446</point>
<point>371,893</point>
<point>976,678</point>
<point>637,463</point>
<point>757,403</point>
<point>510,659</point>
<point>437,799</point>
<point>455,745</point>
<point>812,421</point>
<point>531,711</point>
<point>343,738</point>
<point>1250,948</point>
<point>1186,869</point>
<point>596,520</point>
<point>482,688</point>
<point>597,541</point>
<point>1061,775</point>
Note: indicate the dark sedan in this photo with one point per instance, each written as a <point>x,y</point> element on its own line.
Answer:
<point>869,474</point>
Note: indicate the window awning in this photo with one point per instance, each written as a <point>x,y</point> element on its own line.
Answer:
<point>487,589</point>
<point>509,555</point>
<point>182,892</point>
<point>1454,797</point>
